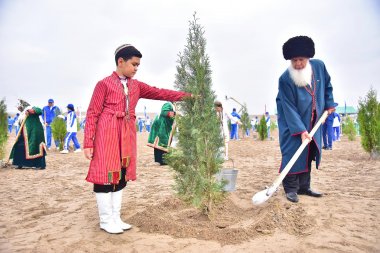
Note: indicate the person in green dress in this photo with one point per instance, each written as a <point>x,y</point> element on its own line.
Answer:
<point>29,150</point>
<point>160,136</point>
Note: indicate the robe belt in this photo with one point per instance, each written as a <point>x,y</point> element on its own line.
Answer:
<point>118,153</point>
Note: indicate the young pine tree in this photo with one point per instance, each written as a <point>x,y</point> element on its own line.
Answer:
<point>3,127</point>
<point>58,128</point>
<point>349,128</point>
<point>198,155</point>
<point>245,120</point>
<point>369,123</point>
<point>262,129</point>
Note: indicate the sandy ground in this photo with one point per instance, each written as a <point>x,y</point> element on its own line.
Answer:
<point>54,210</point>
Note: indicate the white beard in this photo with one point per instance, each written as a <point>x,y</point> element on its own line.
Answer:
<point>301,77</point>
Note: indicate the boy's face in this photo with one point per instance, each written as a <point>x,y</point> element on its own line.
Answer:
<point>129,68</point>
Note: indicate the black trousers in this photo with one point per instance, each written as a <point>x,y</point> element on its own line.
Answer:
<point>112,187</point>
<point>158,156</point>
<point>295,182</point>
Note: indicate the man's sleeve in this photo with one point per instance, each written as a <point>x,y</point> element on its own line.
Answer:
<point>329,98</point>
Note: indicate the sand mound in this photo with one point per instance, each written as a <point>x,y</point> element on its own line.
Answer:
<point>228,224</point>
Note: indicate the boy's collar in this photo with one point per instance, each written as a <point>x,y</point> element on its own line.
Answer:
<point>120,77</point>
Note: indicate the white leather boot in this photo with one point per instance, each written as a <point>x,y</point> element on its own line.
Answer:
<point>107,223</point>
<point>116,207</point>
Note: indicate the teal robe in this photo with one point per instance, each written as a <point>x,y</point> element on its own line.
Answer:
<point>294,106</point>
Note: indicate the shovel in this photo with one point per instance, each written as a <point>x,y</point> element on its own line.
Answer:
<point>264,195</point>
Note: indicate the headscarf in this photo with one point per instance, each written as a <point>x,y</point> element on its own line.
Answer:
<point>22,104</point>
<point>162,127</point>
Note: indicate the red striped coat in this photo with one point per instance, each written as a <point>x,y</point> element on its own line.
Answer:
<point>111,131</point>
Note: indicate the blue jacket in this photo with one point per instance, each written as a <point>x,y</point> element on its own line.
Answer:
<point>10,121</point>
<point>294,107</point>
<point>330,119</point>
<point>336,115</point>
<point>235,114</point>
<point>48,114</point>
<point>71,122</point>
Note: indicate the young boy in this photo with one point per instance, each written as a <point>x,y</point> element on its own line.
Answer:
<point>71,128</point>
<point>110,134</point>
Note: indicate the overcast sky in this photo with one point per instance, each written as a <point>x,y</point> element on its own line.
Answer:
<point>60,49</point>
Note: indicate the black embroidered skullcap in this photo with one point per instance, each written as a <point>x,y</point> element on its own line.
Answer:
<point>299,46</point>
<point>126,51</point>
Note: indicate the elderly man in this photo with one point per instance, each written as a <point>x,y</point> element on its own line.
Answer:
<point>304,93</point>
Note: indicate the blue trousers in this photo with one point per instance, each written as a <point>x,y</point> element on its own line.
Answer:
<point>48,138</point>
<point>71,136</point>
<point>147,128</point>
<point>10,128</point>
<point>336,133</point>
<point>327,133</point>
<point>234,132</point>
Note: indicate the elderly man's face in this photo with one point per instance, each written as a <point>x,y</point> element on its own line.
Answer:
<point>299,62</point>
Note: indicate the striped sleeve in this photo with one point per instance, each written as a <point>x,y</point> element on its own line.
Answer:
<point>93,112</point>
<point>151,92</point>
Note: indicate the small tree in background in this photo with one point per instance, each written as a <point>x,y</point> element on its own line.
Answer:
<point>58,128</point>
<point>273,126</point>
<point>197,157</point>
<point>262,129</point>
<point>3,127</point>
<point>348,128</point>
<point>369,122</point>
<point>245,120</point>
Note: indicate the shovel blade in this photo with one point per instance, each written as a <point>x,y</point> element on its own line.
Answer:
<point>261,197</point>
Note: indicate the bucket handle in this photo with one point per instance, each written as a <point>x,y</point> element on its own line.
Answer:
<point>233,164</point>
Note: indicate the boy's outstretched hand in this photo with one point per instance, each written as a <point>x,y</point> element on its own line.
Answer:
<point>88,153</point>
<point>195,96</point>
